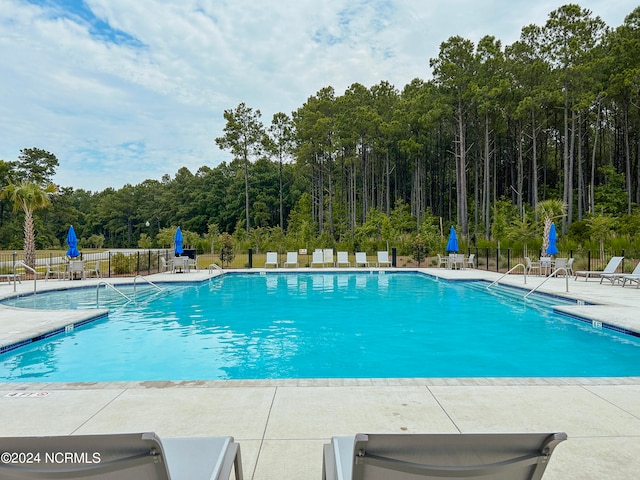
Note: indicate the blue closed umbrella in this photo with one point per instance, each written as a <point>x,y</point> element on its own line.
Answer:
<point>552,249</point>
<point>178,241</point>
<point>452,244</point>
<point>72,241</point>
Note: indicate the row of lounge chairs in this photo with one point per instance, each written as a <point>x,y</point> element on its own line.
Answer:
<point>325,258</point>
<point>565,266</point>
<point>364,456</point>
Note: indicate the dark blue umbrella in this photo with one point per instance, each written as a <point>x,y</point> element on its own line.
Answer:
<point>178,241</point>
<point>72,241</point>
<point>553,238</point>
<point>452,244</point>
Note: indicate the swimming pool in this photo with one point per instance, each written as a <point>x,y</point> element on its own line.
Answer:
<point>318,325</point>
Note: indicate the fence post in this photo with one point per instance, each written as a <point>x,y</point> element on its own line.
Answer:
<point>497,259</point>
<point>588,260</point>
<point>393,257</point>
<point>109,262</point>
<point>508,259</point>
<point>251,258</point>
<point>149,263</point>
<point>487,257</point>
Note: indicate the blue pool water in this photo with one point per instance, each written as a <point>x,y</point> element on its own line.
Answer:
<point>252,326</point>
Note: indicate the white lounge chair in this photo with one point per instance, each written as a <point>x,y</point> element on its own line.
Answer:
<point>327,257</point>
<point>611,267</point>
<point>272,259</point>
<point>317,258</point>
<point>496,456</point>
<point>117,456</point>
<point>343,259</point>
<point>361,259</point>
<point>622,277</point>
<point>632,277</point>
<point>292,260</point>
<point>383,259</point>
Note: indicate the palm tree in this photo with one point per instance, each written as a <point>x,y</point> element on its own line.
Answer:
<point>28,196</point>
<point>549,210</point>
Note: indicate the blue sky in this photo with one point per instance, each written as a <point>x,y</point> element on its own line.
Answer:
<point>122,91</point>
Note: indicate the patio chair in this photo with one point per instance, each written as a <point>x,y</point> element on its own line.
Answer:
<point>498,456</point>
<point>621,277</point>
<point>51,270</point>
<point>442,261</point>
<point>561,263</point>
<point>383,259</point>
<point>529,266</point>
<point>570,267</point>
<point>327,257</point>
<point>93,268</point>
<point>272,259</point>
<point>470,262</point>
<point>117,456</point>
<point>361,259</point>
<point>343,259</point>
<point>292,260</point>
<point>317,258</point>
<point>611,267</point>
<point>164,266</point>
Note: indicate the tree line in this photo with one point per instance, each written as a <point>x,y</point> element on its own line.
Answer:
<point>494,132</point>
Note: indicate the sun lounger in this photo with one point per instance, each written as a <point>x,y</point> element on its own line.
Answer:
<point>383,259</point>
<point>317,258</point>
<point>620,277</point>
<point>292,259</point>
<point>117,456</point>
<point>327,257</point>
<point>343,259</point>
<point>611,267</point>
<point>272,259</point>
<point>495,456</point>
<point>361,259</point>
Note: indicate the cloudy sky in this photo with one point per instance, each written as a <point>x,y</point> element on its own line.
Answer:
<point>127,90</point>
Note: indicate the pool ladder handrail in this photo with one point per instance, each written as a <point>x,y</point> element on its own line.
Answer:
<point>518,265</point>
<point>554,273</point>
<point>214,267</point>
<point>146,280</point>
<point>27,267</point>
<point>112,287</point>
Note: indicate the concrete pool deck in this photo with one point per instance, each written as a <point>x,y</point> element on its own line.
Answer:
<point>281,425</point>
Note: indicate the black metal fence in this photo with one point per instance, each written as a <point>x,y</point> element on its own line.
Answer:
<point>129,263</point>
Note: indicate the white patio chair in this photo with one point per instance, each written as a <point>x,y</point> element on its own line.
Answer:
<point>361,259</point>
<point>383,259</point>
<point>343,259</point>
<point>272,259</point>
<point>292,260</point>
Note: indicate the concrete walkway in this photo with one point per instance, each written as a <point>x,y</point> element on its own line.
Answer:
<point>281,425</point>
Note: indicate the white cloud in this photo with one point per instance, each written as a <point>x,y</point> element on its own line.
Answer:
<point>139,90</point>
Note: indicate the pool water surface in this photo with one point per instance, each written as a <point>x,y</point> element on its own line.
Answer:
<point>317,325</point>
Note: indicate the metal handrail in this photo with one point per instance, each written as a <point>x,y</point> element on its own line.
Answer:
<point>518,265</point>
<point>146,280</point>
<point>35,274</point>
<point>555,273</point>
<point>214,266</point>
<point>111,286</point>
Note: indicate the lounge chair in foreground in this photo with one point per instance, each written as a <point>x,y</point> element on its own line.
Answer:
<point>292,260</point>
<point>272,259</point>
<point>361,259</point>
<point>495,456</point>
<point>383,259</point>
<point>611,267</point>
<point>117,456</point>
<point>620,277</point>
<point>343,259</point>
